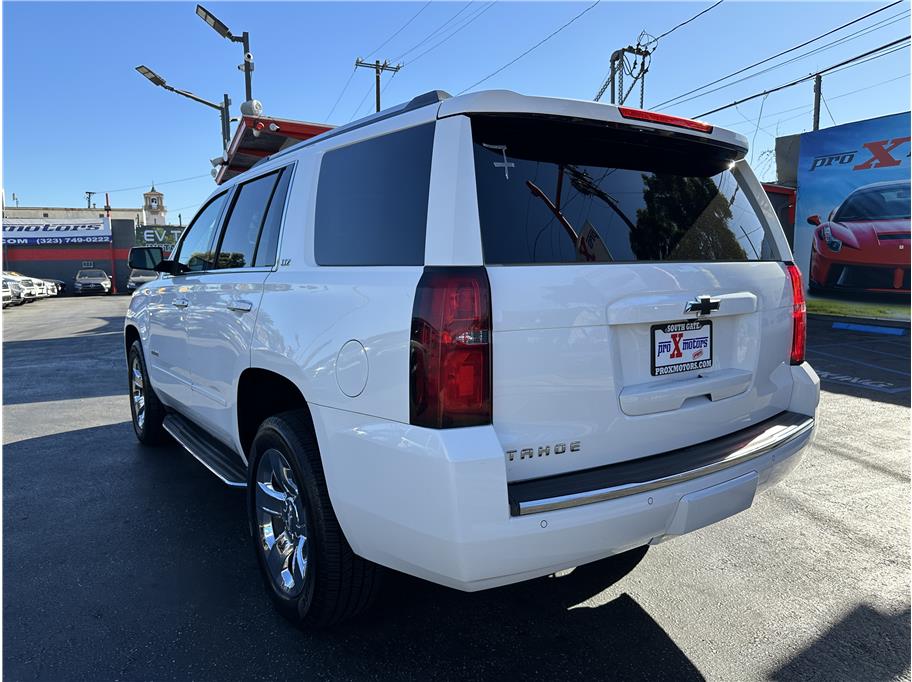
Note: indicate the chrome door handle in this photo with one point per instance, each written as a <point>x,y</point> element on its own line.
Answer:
<point>180,303</point>
<point>240,306</point>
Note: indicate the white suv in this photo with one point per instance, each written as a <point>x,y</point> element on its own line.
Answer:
<point>478,340</point>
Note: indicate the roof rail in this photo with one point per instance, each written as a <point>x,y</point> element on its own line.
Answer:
<point>426,99</point>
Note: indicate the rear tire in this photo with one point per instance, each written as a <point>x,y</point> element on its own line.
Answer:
<point>310,571</point>
<point>147,411</point>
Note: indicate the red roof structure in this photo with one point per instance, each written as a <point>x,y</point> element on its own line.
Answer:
<point>257,137</point>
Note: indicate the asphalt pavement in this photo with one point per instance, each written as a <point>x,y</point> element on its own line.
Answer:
<point>127,563</point>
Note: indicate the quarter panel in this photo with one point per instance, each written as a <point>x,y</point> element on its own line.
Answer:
<point>306,317</point>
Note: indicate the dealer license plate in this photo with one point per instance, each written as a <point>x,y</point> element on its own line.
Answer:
<point>681,347</point>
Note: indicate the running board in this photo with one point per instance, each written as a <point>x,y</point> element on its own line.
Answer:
<point>218,458</point>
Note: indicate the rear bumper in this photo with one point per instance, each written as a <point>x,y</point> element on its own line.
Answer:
<point>436,504</point>
<point>659,471</point>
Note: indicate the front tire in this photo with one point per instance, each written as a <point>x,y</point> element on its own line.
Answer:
<point>147,411</point>
<point>313,576</point>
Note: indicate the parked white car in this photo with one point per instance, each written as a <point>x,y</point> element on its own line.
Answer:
<point>30,290</point>
<point>478,339</point>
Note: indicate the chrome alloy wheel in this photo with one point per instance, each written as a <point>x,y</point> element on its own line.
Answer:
<point>281,523</point>
<point>138,392</point>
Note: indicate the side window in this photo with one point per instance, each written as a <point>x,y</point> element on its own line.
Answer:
<point>269,237</point>
<point>242,229</point>
<point>372,200</point>
<point>196,249</point>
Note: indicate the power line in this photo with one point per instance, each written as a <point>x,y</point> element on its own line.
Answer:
<point>537,45</point>
<point>828,109</point>
<point>401,28</point>
<point>840,41</point>
<point>166,182</point>
<point>344,88</point>
<point>895,49</point>
<point>469,20</point>
<point>779,54</point>
<point>817,50</point>
<point>684,23</point>
<point>361,103</point>
<point>645,46</point>
<point>433,33</point>
<point>809,77</point>
<point>805,108</point>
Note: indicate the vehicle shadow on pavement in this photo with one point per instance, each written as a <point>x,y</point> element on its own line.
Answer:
<point>542,628</point>
<point>859,364</point>
<point>144,570</point>
<point>865,644</point>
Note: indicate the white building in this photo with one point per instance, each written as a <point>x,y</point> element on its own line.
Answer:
<point>152,212</point>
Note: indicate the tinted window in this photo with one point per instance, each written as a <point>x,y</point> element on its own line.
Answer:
<point>90,273</point>
<point>197,247</point>
<point>562,193</point>
<point>372,200</point>
<point>269,237</point>
<point>244,222</point>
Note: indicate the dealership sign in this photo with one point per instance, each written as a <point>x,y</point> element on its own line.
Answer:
<point>852,221</point>
<point>56,231</point>
<point>163,236</point>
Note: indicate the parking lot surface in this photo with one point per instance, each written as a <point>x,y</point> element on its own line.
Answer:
<point>122,562</point>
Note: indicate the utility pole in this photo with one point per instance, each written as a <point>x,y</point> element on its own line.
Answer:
<point>818,88</point>
<point>615,78</point>
<point>378,69</point>
<point>89,196</point>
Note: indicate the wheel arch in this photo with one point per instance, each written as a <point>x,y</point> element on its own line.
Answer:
<point>262,393</point>
<point>131,334</point>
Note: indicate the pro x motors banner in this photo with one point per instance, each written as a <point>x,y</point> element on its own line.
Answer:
<point>56,231</point>
<point>852,219</point>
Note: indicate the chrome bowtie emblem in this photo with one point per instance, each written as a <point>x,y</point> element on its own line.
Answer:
<point>702,305</point>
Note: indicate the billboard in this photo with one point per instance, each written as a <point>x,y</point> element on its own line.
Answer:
<point>852,226</point>
<point>164,236</point>
<point>56,231</point>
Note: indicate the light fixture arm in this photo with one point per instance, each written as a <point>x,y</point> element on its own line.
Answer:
<point>190,95</point>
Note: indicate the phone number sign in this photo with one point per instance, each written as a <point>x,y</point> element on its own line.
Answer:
<point>56,231</point>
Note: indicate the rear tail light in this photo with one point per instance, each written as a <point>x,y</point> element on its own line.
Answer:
<point>799,315</point>
<point>450,357</point>
<point>666,119</point>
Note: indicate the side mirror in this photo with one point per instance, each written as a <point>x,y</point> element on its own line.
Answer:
<point>814,220</point>
<point>146,257</point>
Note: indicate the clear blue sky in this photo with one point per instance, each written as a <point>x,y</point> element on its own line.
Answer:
<point>77,117</point>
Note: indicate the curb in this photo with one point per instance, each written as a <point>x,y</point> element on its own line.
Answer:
<point>864,321</point>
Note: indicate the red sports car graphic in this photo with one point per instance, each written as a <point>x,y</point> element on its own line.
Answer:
<point>864,245</point>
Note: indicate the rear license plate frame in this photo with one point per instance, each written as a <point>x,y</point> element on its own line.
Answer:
<point>667,369</point>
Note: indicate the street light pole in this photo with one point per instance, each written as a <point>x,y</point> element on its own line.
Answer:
<point>250,107</point>
<point>248,65</point>
<point>222,108</point>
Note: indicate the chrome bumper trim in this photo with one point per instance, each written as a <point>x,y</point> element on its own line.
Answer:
<point>775,437</point>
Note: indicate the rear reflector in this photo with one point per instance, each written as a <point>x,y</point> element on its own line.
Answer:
<point>676,121</point>
<point>799,315</point>
<point>450,357</point>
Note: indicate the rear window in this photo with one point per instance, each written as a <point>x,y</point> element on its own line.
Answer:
<point>550,191</point>
<point>372,200</point>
